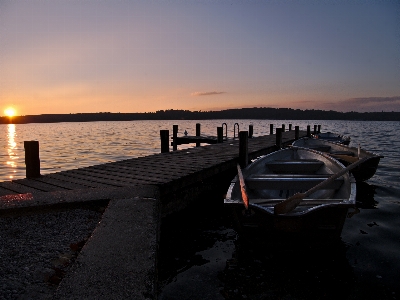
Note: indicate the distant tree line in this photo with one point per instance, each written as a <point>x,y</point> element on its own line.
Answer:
<point>243,113</point>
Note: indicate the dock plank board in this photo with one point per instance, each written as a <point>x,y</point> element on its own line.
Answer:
<point>118,178</point>
<point>60,183</point>
<point>4,192</point>
<point>45,187</point>
<point>74,179</point>
<point>145,172</point>
<point>89,177</point>
<point>18,188</point>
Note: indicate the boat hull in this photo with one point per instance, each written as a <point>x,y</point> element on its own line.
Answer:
<point>362,172</point>
<point>321,215</point>
<point>324,223</point>
<point>333,137</point>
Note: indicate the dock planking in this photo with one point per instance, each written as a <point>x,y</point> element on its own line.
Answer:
<point>171,170</point>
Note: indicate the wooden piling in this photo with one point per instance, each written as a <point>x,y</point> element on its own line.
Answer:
<point>220,134</point>
<point>319,128</point>
<point>279,138</point>
<point>271,128</point>
<point>243,149</point>
<point>174,136</point>
<point>250,131</point>
<point>290,127</point>
<point>283,127</point>
<point>32,160</point>
<point>296,132</point>
<point>308,131</point>
<point>198,132</point>
<point>164,135</point>
<point>315,129</point>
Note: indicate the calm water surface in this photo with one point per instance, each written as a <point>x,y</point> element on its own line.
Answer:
<point>207,260</point>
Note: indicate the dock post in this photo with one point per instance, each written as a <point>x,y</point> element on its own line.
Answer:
<point>271,128</point>
<point>174,136</point>
<point>164,135</point>
<point>32,160</point>
<point>279,138</point>
<point>283,127</point>
<point>198,133</point>
<point>290,127</point>
<point>319,128</point>
<point>243,149</point>
<point>315,129</point>
<point>308,131</point>
<point>296,132</point>
<point>250,131</point>
<point>220,134</point>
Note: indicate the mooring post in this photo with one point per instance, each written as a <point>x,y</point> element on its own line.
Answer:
<point>271,128</point>
<point>290,127</point>
<point>250,131</point>
<point>164,135</point>
<point>296,132</point>
<point>174,136</point>
<point>220,134</point>
<point>243,149</point>
<point>283,127</point>
<point>315,129</point>
<point>319,128</point>
<point>32,160</point>
<point>308,131</point>
<point>198,133</point>
<point>279,138</point>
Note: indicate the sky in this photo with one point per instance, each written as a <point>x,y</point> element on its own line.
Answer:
<point>78,56</point>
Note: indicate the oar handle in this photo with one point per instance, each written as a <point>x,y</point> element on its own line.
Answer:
<point>346,158</point>
<point>333,177</point>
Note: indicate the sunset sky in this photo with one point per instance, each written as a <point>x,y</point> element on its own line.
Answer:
<point>71,56</point>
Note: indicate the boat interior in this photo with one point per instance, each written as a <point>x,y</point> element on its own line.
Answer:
<point>272,181</point>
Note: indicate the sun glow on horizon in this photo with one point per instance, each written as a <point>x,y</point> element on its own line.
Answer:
<point>9,112</point>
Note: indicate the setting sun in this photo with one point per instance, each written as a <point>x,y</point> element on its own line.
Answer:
<point>10,112</point>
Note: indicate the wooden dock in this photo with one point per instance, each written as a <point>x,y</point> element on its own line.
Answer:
<point>173,173</point>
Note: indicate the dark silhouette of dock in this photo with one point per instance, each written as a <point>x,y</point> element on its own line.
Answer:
<point>120,258</point>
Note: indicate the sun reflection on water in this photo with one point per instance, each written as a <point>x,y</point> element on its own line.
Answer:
<point>11,149</point>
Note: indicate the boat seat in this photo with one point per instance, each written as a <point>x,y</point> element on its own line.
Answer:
<point>300,166</point>
<point>349,153</point>
<point>290,182</point>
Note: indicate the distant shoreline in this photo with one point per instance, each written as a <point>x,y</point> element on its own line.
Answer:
<point>243,113</point>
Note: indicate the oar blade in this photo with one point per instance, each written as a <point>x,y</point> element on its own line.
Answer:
<point>289,204</point>
<point>245,198</point>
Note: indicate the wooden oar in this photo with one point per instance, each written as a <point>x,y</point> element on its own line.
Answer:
<point>243,188</point>
<point>291,203</point>
<point>346,158</point>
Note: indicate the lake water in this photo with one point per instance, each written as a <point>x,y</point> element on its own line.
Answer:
<point>206,260</point>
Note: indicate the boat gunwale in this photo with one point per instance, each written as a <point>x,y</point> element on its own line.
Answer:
<point>327,142</point>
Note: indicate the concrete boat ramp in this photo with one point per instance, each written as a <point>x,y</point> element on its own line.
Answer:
<point>119,260</point>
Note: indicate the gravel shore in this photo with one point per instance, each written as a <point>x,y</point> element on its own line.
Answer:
<point>36,250</point>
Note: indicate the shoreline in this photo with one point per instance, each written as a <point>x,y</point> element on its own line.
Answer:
<point>261,113</point>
